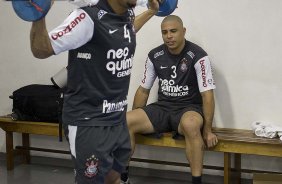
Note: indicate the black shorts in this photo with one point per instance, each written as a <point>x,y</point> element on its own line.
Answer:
<point>98,149</point>
<point>167,119</point>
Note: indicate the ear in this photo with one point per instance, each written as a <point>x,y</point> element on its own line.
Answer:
<point>184,30</point>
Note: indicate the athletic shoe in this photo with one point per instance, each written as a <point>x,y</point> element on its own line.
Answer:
<point>125,182</point>
<point>124,178</point>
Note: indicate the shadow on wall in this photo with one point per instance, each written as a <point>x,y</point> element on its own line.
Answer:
<point>224,116</point>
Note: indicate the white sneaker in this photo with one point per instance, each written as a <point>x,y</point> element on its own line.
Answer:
<point>124,179</point>
<point>125,182</point>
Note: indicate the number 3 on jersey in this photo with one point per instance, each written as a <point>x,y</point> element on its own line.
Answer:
<point>174,75</point>
<point>126,33</point>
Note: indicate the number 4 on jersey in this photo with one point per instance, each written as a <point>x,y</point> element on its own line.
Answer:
<point>126,33</point>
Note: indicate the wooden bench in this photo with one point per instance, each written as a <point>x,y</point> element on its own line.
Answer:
<point>231,141</point>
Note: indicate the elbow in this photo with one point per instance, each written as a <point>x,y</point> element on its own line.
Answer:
<point>38,55</point>
<point>41,54</point>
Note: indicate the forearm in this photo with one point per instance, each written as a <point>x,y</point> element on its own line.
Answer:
<point>39,40</point>
<point>140,98</point>
<point>208,110</point>
<point>142,18</point>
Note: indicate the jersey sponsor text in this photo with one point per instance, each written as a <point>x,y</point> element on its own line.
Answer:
<point>144,74</point>
<point>204,75</point>
<point>169,89</point>
<point>113,107</point>
<point>191,54</point>
<point>68,29</point>
<point>84,55</point>
<point>120,63</point>
<point>158,54</point>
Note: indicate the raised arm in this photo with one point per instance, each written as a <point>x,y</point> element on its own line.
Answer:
<point>141,97</point>
<point>39,40</point>
<point>142,18</point>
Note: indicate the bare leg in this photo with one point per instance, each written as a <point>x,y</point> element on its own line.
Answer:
<point>138,122</point>
<point>113,177</point>
<point>190,126</point>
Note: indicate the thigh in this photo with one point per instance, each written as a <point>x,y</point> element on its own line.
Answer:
<point>159,117</point>
<point>122,150</point>
<point>138,122</point>
<point>91,149</point>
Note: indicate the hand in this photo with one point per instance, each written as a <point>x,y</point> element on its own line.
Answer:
<point>210,139</point>
<point>154,5</point>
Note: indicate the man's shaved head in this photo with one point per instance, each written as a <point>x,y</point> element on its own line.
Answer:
<point>172,18</point>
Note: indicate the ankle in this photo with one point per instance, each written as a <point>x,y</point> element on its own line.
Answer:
<point>124,176</point>
<point>196,179</point>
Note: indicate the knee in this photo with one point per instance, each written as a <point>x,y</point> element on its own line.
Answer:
<point>135,121</point>
<point>138,122</point>
<point>191,127</point>
<point>131,121</point>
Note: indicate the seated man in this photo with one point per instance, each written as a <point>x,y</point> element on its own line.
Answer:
<point>185,95</point>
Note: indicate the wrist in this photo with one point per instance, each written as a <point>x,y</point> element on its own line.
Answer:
<point>152,12</point>
<point>207,129</point>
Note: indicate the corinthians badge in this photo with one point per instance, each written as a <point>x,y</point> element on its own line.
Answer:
<point>183,65</point>
<point>91,167</point>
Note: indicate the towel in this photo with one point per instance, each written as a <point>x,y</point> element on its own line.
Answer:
<point>270,132</point>
<point>265,129</point>
<point>258,128</point>
<point>280,135</point>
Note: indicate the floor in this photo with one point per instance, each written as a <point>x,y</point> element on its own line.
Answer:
<point>59,171</point>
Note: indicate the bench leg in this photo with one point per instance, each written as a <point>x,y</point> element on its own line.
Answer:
<point>26,152</point>
<point>9,150</point>
<point>237,160</point>
<point>227,163</point>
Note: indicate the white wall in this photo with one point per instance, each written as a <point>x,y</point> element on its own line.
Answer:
<point>242,37</point>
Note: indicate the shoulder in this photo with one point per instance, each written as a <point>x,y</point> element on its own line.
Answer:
<point>94,12</point>
<point>157,52</point>
<point>195,51</point>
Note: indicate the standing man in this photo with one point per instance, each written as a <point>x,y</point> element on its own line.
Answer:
<point>101,43</point>
<point>185,95</point>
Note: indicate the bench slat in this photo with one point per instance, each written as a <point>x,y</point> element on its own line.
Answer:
<point>39,128</point>
<point>248,143</point>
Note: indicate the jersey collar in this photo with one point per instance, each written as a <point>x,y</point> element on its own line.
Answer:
<point>181,53</point>
<point>103,4</point>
